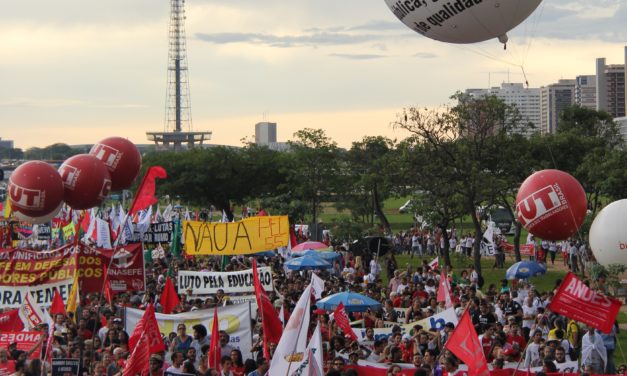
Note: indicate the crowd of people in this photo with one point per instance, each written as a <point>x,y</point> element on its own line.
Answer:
<point>511,319</point>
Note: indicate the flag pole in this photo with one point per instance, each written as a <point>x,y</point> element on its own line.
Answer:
<point>525,350</point>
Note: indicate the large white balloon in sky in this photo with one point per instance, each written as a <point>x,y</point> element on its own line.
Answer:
<point>608,235</point>
<point>462,21</point>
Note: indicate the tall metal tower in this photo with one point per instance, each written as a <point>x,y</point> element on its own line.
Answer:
<point>178,115</point>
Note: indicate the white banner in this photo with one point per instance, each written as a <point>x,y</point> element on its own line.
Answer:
<point>204,283</point>
<point>234,319</point>
<point>434,322</point>
<point>13,296</point>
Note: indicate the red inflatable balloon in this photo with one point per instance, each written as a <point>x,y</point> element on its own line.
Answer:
<point>35,191</point>
<point>121,158</point>
<point>86,180</point>
<point>551,204</point>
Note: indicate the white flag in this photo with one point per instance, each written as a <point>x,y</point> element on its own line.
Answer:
<point>144,221</point>
<point>487,245</point>
<point>291,350</point>
<point>317,285</point>
<point>167,213</point>
<point>30,313</point>
<point>104,235</point>
<point>314,354</point>
<point>435,263</point>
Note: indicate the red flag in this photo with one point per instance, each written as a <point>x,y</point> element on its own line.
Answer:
<point>293,239</point>
<point>169,298</point>
<point>146,193</point>
<point>272,327</point>
<point>444,290</point>
<point>103,320</point>
<point>215,351</point>
<point>147,326</point>
<point>464,343</point>
<point>577,301</point>
<point>139,361</point>
<point>10,321</point>
<point>108,291</point>
<point>341,320</point>
<point>58,306</point>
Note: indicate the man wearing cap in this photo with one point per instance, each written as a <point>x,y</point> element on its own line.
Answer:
<point>156,365</point>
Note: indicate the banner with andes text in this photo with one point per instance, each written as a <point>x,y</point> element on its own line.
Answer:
<point>13,296</point>
<point>23,267</point>
<point>250,235</point>
<point>126,271</point>
<point>234,319</point>
<point>205,283</point>
<point>25,341</point>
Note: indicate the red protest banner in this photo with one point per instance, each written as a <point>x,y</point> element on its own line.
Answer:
<point>23,267</point>
<point>125,274</point>
<point>579,302</point>
<point>25,341</point>
<point>11,321</point>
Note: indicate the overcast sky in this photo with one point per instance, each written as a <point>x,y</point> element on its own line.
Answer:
<point>76,71</point>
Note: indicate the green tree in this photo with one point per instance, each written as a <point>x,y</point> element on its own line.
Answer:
<point>313,172</point>
<point>466,140</point>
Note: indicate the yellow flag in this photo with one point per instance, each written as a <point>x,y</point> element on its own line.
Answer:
<point>7,208</point>
<point>74,299</point>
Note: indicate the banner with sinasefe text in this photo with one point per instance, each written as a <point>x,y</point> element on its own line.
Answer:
<point>205,283</point>
<point>234,319</point>
<point>250,235</point>
<point>126,272</point>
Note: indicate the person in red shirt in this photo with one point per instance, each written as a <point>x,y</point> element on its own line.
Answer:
<point>487,342</point>
<point>515,338</point>
<point>407,348</point>
<point>7,366</point>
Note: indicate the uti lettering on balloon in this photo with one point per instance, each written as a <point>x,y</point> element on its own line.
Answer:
<point>70,175</point>
<point>540,203</point>
<point>27,198</point>
<point>105,190</point>
<point>108,155</point>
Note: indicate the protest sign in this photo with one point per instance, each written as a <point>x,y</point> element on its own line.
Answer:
<point>234,319</point>
<point>25,341</point>
<point>21,267</point>
<point>579,302</point>
<point>126,272</point>
<point>436,321</point>
<point>250,235</point>
<point>203,283</point>
<point>13,296</point>
<point>65,366</point>
<point>157,233</point>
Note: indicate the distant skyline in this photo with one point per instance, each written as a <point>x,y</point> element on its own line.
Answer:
<point>76,71</point>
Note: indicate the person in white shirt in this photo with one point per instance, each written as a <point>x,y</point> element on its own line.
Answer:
<point>177,362</point>
<point>532,355</point>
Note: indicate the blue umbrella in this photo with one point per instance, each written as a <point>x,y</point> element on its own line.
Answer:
<point>352,301</point>
<point>326,256</point>
<point>525,269</point>
<point>265,254</point>
<point>308,262</point>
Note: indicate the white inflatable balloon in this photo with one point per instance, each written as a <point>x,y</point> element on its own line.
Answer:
<point>462,21</point>
<point>608,238</point>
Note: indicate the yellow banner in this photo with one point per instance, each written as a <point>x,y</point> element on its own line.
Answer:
<point>251,235</point>
<point>69,230</point>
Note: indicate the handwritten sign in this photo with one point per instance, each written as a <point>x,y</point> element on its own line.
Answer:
<point>251,235</point>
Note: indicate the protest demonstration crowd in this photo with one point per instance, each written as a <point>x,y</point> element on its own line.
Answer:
<point>149,307</point>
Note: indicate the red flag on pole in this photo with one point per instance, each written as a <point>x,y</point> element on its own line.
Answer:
<point>147,326</point>
<point>108,291</point>
<point>579,302</point>
<point>464,343</point>
<point>341,320</point>
<point>214,356</point>
<point>139,361</point>
<point>169,298</point>
<point>270,321</point>
<point>145,195</point>
<point>57,307</point>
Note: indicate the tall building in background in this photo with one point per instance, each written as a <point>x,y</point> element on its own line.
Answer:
<point>7,144</point>
<point>178,129</point>
<point>553,100</point>
<point>586,91</point>
<point>265,133</point>
<point>610,81</point>
<point>527,100</point>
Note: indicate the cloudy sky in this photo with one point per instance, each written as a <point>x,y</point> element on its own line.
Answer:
<point>76,71</point>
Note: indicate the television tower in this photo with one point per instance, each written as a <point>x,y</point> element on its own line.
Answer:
<point>178,115</point>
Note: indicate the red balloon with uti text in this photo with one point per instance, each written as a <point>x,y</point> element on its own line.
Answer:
<point>36,192</point>
<point>551,204</point>
<point>86,181</point>
<point>121,158</point>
